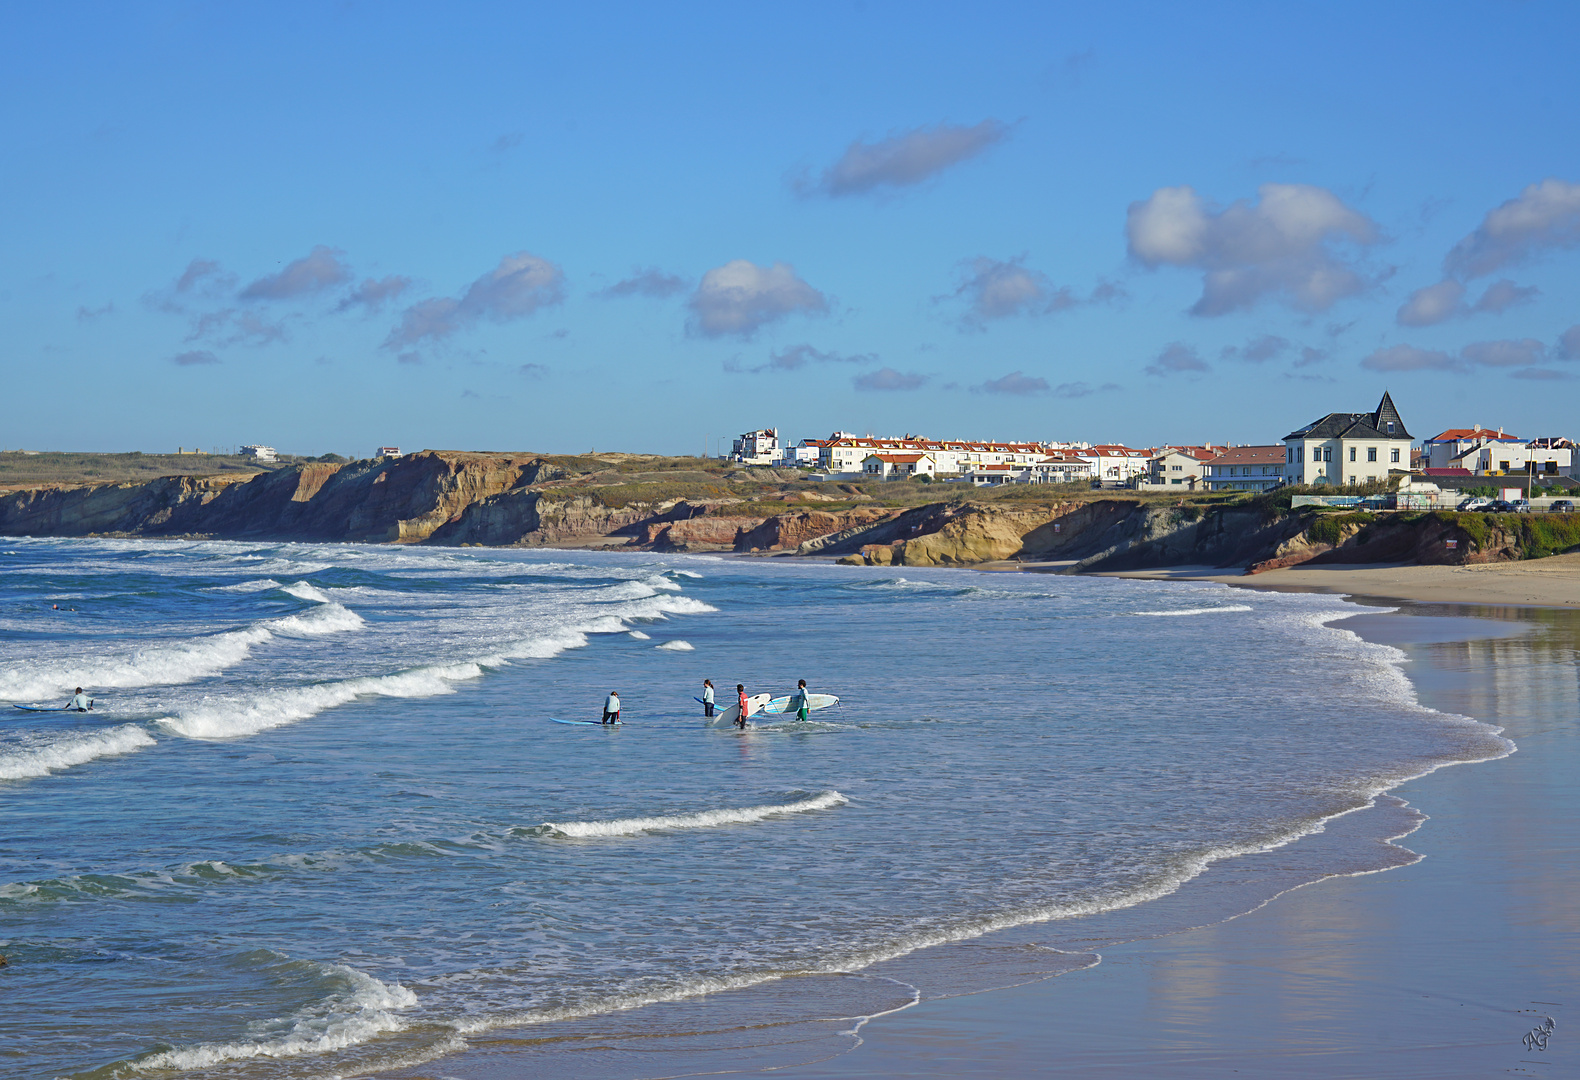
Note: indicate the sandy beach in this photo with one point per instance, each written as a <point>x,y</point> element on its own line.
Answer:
<point>1461,965</point>
<point>1551,582</point>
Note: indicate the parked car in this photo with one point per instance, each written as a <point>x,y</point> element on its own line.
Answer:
<point>1476,502</point>
<point>1498,506</point>
<point>1521,506</point>
<point>1561,506</point>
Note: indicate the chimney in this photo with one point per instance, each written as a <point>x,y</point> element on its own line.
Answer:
<point>1478,427</point>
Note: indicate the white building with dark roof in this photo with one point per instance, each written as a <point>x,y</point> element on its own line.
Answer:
<point>1348,448</point>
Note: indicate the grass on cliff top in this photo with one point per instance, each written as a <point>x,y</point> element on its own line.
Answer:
<point>51,468</point>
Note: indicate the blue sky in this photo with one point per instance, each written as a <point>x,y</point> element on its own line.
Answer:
<point>644,227</point>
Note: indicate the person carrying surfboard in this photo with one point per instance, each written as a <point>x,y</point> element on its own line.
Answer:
<point>745,706</point>
<point>611,708</point>
<point>803,700</point>
<point>707,697</point>
<point>80,702</point>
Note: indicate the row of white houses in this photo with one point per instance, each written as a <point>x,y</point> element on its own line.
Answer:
<point>1339,449</point>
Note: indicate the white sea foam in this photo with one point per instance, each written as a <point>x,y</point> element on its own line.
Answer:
<point>228,718</point>
<point>706,819</point>
<point>172,664</point>
<point>260,585</point>
<point>641,636</point>
<point>1226,608</point>
<point>676,645</point>
<point>305,590</point>
<point>357,1009</point>
<point>72,750</point>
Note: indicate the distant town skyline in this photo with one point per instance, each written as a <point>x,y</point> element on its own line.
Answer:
<point>327,229</point>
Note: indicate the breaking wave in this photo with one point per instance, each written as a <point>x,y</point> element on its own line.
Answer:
<point>1199,610</point>
<point>676,645</point>
<point>74,750</point>
<point>706,819</point>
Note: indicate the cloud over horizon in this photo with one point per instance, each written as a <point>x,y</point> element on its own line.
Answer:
<point>316,271</point>
<point>519,286</point>
<point>1016,383</point>
<point>1523,353</point>
<point>651,282</point>
<point>907,158</point>
<point>1177,358</point>
<point>740,298</point>
<point>889,379</point>
<point>1545,216</point>
<point>1284,246</point>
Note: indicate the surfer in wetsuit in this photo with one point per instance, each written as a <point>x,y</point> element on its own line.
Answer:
<point>707,697</point>
<point>745,706</point>
<point>80,702</point>
<point>611,708</point>
<point>803,700</point>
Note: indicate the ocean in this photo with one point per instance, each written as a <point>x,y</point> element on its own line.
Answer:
<point>319,822</point>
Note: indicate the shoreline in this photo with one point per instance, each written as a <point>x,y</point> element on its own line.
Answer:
<point>1422,971</point>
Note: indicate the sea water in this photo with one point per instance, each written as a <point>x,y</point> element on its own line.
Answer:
<point>319,822</point>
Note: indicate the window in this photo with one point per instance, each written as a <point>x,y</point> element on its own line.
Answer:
<point>1352,453</point>
<point>1327,453</point>
<point>1390,427</point>
<point>1371,453</point>
<point>1503,466</point>
<point>1176,468</point>
<point>1395,457</point>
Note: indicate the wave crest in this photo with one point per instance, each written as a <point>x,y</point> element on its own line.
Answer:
<point>705,819</point>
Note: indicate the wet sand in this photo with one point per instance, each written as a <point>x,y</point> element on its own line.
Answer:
<point>1550,582</point>
<point>1434,970</point>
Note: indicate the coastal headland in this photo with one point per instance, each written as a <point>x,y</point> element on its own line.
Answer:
<point>681,504</point>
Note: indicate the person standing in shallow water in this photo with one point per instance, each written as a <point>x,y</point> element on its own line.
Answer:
<point>803,700</point>
<point>707,697</point>
<point>740,696</point>
<point>611,708</point>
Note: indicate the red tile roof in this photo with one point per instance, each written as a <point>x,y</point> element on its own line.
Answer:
<point>1453,434</point>
<point>1252,455</point>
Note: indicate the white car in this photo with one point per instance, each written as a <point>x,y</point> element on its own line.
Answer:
<point>1477,503</point>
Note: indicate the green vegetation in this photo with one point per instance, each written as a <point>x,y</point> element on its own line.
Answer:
<point>1329,528</point>
<point>19,469</point>
<point>1542,535</point>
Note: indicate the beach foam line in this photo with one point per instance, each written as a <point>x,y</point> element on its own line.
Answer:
<point>170,665</point>
<point>705,819</point>
<point>73,750</point>
<point>356,1009</point>
<point>1199,610</point>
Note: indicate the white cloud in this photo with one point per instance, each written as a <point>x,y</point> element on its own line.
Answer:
<point>1282,246</point>
<point>197,356</point>
<point>1569,343</point>
<point>1015,383</point>
<point>374,293</point>
<point>1071,390</point>
<point>1542,217</point>
<point>740,297</point>
<point>1432,304</point>
<point>1410,358</point>
<point>1521,353</point>
<point>1177,358</point>
<point>998,289</point>
<point>316,271</point>
<point>907,158</point>
<point>651,282</point>
<point>1258,350</point>
<point>519,286</point>
<point>1543,374</point>
<point>232,326</point>
<point>889,379</point>
<point>1504,294</point>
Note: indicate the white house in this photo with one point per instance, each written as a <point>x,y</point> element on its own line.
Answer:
<point>1246,468</point>
<point>1442,449</point>
<point>259,453</point>
<point>802,455</point>
<point>1543,457</point>
<point>1113,464</point>
<point>1062,467</point>
<point>846,453</point>
<point>1348,448</point>
<point>898,466</point>
<point>757,447</point>
<point>1180,465</point>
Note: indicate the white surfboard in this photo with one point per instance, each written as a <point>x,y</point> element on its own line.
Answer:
<point>727,717</point>
<point>790,702</point>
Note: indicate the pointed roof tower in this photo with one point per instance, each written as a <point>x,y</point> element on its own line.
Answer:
<point>1387,419</point>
